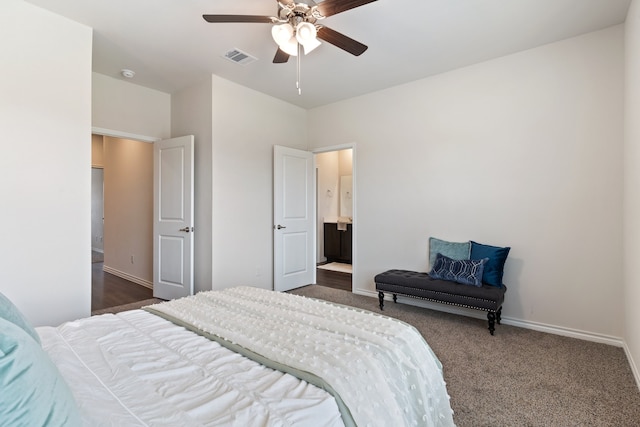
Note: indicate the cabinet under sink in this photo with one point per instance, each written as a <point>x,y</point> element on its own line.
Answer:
<point>337,243</point>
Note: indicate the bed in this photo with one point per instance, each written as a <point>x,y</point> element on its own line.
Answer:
<point>239,357</point>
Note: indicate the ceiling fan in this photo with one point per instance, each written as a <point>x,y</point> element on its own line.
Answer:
<point>295,27</point>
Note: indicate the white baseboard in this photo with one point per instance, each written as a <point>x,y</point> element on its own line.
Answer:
<point>526,324</point>
<point>97,250</point>
<point>567,332</point>
<point>127,276</point>
<point>634,367</point>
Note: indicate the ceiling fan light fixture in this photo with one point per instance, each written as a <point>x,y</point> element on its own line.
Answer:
<point>306,35</point>
<point>282,33</point>
<point>305,31</point>
<point>284,36</point>
<point>290,47</point>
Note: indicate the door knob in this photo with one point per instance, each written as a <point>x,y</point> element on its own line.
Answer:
<point>280,226</point>
<point>186,229</point>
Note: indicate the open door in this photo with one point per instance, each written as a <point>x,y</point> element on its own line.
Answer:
<point>293,215</point>
<point>173,218</point>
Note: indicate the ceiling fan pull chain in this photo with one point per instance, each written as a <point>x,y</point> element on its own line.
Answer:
<point>298,71</point>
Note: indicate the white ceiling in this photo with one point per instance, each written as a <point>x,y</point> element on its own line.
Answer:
<point>170,46</point>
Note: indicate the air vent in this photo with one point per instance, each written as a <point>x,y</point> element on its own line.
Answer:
<point>239,57</point>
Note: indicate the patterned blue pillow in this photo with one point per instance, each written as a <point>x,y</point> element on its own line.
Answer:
<point>464,271</point>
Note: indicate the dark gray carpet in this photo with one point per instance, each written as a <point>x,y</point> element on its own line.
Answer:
<point>517,377</point>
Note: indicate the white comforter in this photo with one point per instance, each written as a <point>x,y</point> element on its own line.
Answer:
<point>381,368</point>
<point>137,369</point>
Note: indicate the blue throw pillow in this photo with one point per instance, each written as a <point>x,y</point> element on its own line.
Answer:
<point>464,271</point>
<point>494,270</point>
<point>32,391</point>
<point>453,250</point>
<point>10,312</point>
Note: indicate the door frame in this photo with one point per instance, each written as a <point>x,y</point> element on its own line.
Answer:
<point>354,225</point>
<point>124,135</point>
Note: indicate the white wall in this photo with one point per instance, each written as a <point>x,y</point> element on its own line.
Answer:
<point>191,114</point>
<point>632,188</point>
<point>130,109</point>
<point>328,184</point>
<point>346,183</point>
<point>45,173</point>
<point>522,151</point>
<point>246,126</point>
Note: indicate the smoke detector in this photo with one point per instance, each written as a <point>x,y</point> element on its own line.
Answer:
<point>127,73</point>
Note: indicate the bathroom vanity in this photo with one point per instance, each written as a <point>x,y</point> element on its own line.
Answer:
<point>337,243</point>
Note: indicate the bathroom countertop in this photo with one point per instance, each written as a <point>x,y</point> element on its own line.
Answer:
<point>336,219</point>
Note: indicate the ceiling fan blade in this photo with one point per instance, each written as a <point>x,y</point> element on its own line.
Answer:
<point>340,40</point>
<point>333,7</point>
<point>281,57</point>
<point>238,18</point>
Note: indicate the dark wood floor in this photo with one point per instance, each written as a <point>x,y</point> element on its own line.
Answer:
<point>333,279</point>
<point>108,290</point>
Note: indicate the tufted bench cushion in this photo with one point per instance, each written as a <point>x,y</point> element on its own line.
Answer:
<point>421,285</point>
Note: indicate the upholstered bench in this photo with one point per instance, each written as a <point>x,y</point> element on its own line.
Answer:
<point>420,285</point>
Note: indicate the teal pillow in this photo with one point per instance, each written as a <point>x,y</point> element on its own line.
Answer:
<point>32,392</point>
<point>464,271</point>
<point>453,250</point>
<point>11,313</point>
<point>494,269</point>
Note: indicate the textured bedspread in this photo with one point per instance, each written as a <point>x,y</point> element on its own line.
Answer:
<point>137,369</point>
<point>381,368</point>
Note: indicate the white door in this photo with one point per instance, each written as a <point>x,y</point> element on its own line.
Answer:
<point>293,213</point>
<point>173,218</point>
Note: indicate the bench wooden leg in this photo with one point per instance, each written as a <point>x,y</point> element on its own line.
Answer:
<point>381,299</point>
<point>492,320</point>
<point>395,298</point>
<point>499,315</point>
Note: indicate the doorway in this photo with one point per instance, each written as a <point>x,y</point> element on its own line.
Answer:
<point>122,179</point>
<point>335,218</point>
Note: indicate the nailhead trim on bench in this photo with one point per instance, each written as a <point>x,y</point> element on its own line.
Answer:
<point>401,293</point>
